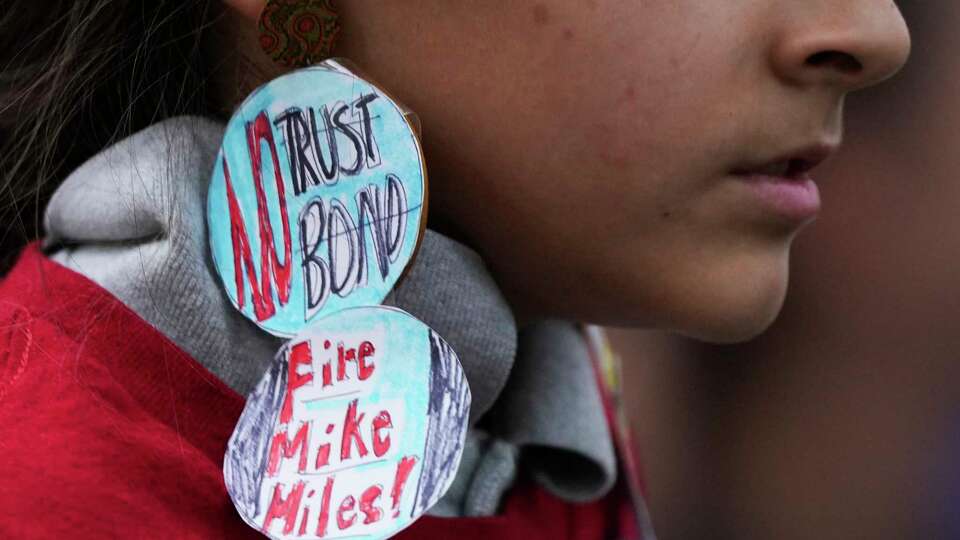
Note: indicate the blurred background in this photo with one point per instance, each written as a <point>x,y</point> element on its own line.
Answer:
<point>843,420</point>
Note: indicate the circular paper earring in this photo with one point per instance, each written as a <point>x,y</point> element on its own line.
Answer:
<point>316,205</point>
<point>296,33</point>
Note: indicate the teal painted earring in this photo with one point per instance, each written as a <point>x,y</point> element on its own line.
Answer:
<point>317,201</point>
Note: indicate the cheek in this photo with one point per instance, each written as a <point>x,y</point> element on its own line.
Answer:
<point>617,134</point>
<point>629,156</point>
<point>625,129</point>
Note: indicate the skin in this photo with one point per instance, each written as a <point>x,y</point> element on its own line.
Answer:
<point>586,148</point>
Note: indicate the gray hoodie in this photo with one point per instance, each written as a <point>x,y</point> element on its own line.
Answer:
<point>132,220</point>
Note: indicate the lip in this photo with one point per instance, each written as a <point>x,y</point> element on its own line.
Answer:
<point>796,199</point>
<point>784,185</point>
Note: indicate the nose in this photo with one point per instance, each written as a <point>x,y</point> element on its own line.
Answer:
<point>847,44</point>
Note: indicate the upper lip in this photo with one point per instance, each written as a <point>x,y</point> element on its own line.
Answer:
<point>791,165</point>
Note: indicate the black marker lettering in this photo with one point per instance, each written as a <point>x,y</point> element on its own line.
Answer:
<point>332,173</point>
<point>366,125</point>
<point>344,127</point>
<point>316,272</point>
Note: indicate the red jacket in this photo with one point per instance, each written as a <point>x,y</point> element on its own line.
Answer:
<point>109,430</point>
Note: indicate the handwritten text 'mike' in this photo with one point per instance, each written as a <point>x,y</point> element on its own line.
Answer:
<point>317,157</point>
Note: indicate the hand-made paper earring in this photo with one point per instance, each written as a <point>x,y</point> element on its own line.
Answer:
<point>318,198</point>
<point>315,208</point>
<point>297,33</point>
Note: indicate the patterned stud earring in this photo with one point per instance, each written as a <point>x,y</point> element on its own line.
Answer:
<point>297,33</point>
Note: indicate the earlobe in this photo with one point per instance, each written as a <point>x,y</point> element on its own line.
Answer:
<point>249,9</point>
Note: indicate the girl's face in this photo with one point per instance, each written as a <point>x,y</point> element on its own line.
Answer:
<point>605,155</point>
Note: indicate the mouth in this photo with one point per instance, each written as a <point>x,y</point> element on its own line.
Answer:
<point>790,166</point>
<point>783,184</point>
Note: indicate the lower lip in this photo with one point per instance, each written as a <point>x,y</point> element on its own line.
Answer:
<point>796,199</point>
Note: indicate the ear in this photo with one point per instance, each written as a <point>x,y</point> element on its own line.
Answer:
<point>249,9</point>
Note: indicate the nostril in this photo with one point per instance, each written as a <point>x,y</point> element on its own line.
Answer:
<point>841,61</point>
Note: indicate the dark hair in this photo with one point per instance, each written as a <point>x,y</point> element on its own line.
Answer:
<point>76,75</point>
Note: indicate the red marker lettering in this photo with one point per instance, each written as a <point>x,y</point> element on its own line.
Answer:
<point>325,508</point>
<point>299,355</point>
<point>283,445</point>
<point>381,443</point>
<point>284,508</point>
<point>363,369</point>
<point>351,433</point>
<point>371,514</point>
<point>403,471</point>
<point>257,131</point>
<point>347,505</point>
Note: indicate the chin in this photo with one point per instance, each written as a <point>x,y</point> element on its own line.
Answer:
<point>732,329</point>
<point>734,311</point>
